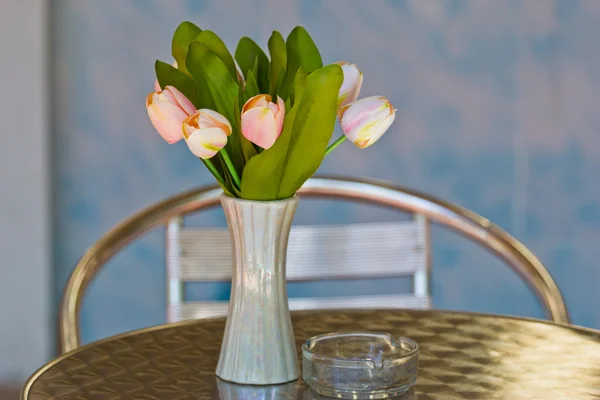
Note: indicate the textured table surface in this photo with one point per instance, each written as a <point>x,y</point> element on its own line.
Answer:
<point>463,356</point>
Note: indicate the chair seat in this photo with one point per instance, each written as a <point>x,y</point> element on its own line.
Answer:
<point>201,309</point>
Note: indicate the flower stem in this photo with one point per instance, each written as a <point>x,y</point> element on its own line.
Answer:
<point>335,144</point>
<point>231,168</point>
<point>211,167</point>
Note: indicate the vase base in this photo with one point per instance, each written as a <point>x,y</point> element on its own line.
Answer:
<point>261,383</point>
<point>234,391</point>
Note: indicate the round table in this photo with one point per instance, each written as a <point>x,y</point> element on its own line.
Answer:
<point>463,356</point>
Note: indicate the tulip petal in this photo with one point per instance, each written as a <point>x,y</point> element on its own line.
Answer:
<point>207,142</point>
<point>260,100</point>
<point>360,110</point>
<point>166,119</point>
<point>150,99</point>
<point>259,127</point>
<point>352,76</point>
<point>365,136</point>
<point>351,85</point>
<point>273,107</point>
<point>180,99</point>
<point>353,94</point>
<point>365,121</point>
<point>383,127</point>
<point>188,126</point>
<point>210,118</point>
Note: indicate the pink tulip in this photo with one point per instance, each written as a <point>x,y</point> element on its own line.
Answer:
<point>351,85</point>
<point>167,110</point>
<point>366,120</point>
<point>156,84</point>
<point>262,120</point>
<point>206,132</point>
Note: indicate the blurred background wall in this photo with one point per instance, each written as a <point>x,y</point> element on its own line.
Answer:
<point>498,111</point>
<point>25,264</point>
<point>498,106</point>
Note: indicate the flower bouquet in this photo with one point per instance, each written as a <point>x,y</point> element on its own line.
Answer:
<point>262,126</point>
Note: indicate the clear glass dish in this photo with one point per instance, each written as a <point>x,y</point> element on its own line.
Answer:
<point>361,365</point>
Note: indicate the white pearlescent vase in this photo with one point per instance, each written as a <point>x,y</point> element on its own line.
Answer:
<point>258,344</point>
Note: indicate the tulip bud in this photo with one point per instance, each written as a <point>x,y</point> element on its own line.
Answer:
<point>156,84</point>
<point>206,132</point>
<point>366,120</point>
<point>351,85</point>
<point>262,120</point>
<point>167,109</point>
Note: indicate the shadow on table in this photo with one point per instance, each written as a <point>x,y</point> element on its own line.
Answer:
<point>289,391</point>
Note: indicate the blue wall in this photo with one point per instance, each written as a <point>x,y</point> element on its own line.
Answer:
<point>498,106</point>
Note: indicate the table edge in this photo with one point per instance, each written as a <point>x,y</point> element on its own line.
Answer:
<point>31,380</point>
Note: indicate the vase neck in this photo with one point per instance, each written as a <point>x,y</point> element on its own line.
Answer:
<point>259,232</point>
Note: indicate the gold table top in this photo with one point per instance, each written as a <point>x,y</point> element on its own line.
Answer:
<point>463,356</point>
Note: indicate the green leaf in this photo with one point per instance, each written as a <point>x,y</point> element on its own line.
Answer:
<point>248,149</point>
<point>185,33</point>
<point>216,45</point>
<point>229,186</point>
<point>262,175</point>
<point>251,89</point>
<point>217,164</point>
<point>278,172</point>
<point>218,90</point>
<point>168,75</point>
<point>301,52</point>
<point>278,55</point>
<point>254,71</point>
<point>246,54</point>
<point>299,82</point>
<point>229,183</point>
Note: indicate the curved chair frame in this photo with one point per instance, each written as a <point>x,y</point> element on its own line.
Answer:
<point>465,222</point>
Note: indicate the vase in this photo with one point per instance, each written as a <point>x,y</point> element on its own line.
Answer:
<point>258,343</point>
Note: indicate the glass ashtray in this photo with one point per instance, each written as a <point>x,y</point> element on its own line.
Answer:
<point>362,365</point>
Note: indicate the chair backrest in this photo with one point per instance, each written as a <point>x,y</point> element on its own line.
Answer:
<point>469,224</point>
<point>393,249</point>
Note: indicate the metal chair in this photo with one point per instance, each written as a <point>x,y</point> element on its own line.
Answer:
<point>182,251</point>
<point>392,249</point>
